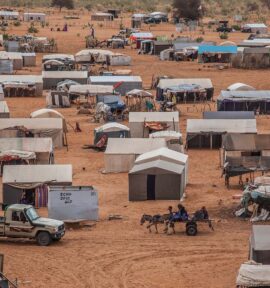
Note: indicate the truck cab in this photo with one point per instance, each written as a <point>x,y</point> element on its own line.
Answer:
<point>22,221</point>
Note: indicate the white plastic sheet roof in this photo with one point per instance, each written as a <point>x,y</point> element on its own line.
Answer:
<point>240,87</point>
<point>113,126</point>
<point>46,113</point>
<point>221,125</point>
<point>203,82</point>
<point>168,135</point>
<point>32,123</point>
<point>253,275</point>
<point>255,25</point>
<point>154,117</point>
<point>91,89</point>
<point>37,173</point>
<point>163,154</point>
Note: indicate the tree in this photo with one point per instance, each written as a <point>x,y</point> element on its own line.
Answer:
<point>188,9</point>
<point>266,3</point>
<point>69,4</point>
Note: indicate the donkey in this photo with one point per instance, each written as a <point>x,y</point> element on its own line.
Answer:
<point>155,220</point>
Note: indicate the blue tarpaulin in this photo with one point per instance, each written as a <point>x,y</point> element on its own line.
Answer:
<point>217,49</point>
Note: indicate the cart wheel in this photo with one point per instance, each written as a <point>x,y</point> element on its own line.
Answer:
<point>191,230</point>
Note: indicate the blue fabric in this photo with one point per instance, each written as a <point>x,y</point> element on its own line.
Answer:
<point>217,49</point>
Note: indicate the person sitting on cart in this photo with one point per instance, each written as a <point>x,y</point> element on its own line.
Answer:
<point>180,215</point>
<point>201,214</point>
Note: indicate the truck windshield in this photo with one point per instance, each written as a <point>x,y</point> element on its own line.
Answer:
<point>32,214</point>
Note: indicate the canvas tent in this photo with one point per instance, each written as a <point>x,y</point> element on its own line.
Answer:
<point>101,16</point>
<point>34,181</point>
<point>182,86</point>
<point>240,87</point>
<point>40,128</point>
<point>253,275</point>
<point>174,139</point>
<point>156,180</point>
<point>42,147</point>
<point>16,58</point>
<point>142,124</point>
<point>228,115</point>
<point>245,153</point>
<point>9,15</point>
<point>259,244</point>
<point>33,16</point>
<point>93,56</point>
<point>122,84</point>
<point>167,155</point>
<point>207,133</point>
<point>121,153</point>
<point>57,99</point>
<point>4,111</point>
<point>259,28</point>
<point>52,78</point>
<point>22,85</point>
<point>111,130</point>
<point>258,101</point>
<point>73,203</point>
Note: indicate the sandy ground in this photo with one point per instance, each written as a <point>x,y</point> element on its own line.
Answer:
<point>122,254</point>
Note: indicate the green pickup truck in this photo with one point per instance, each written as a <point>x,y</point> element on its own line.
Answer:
<point>22,221</point>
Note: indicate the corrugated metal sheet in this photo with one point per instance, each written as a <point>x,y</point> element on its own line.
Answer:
<point>197,126</point>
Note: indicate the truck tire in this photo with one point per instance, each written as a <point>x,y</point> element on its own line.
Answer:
<point>44,238</point>
<point>191,230</point>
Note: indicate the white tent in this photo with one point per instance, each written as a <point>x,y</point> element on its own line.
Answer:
<point>174,139</point>
<point>240,87</point>
<point>88,54</point>
<point>121,153</point>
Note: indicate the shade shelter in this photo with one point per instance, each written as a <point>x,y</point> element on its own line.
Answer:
<point>101,16</point>
<point>52,78</point>
<point>157,180</point>
<point>259,28</point>
<point>142,124</point>
<point>121,153</point>
<point>257,101</point>
<point>33,182</point>
<point>207,133</point>
<point>185,89</point>
<point>259,244</point>
<point>27,127</point>
<point>9,15</point>
<point>111,130</point>
<point>73,203</point>
<point>34,16</point>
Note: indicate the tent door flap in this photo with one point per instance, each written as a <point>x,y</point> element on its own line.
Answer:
<point>151,187</point>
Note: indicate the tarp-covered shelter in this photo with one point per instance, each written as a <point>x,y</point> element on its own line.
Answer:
<point>228,115</point>
<point>28,127</point>
<point>259,28</point>
<point>93,56</point>
<point>111,130</point>
<point>252,58</point>
<point>216,54</point>
<point>260,244</point>
<point>34,16</point>
<point>165,154</point>
<point>4,111</point>
<point>253,275</point>
<point>9,15</point>
<point>22,85</point>
<point>207,133</point>
<point>28,184</point>
<point>73,203</point>
<point>138,37</point>
<point>102,16</point>
<point>156,180</point>
<point>52,78</point>
<point>240,87</point>
<point>57,99</point>
<point>257,101</point>
<point>174,139</point>
<point>142,124</point>
<point>245,153</point>
<point>15,57</point>
<point>29,59</point>
<point>42,147</point>
<point>121,153</point>
<point>66,58</point>
<point>122,84</point>
<point>186,89</point>
<point>118,59</point>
